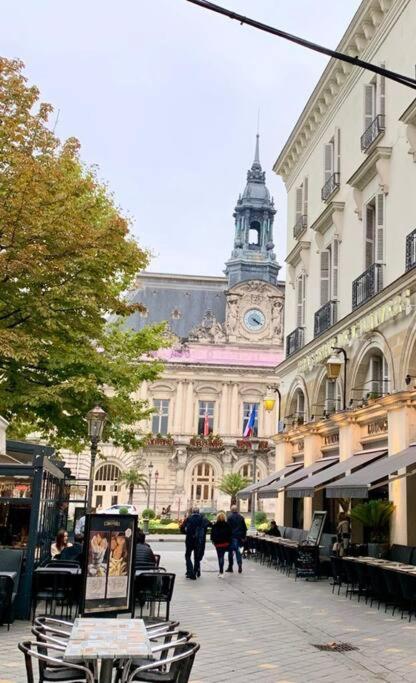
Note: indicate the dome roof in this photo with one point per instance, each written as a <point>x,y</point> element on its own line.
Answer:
<point>255,190</point>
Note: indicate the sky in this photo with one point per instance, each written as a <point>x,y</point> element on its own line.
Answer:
<point>164,97</point>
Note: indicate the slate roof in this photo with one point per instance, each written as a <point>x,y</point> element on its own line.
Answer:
<point>167,296</point>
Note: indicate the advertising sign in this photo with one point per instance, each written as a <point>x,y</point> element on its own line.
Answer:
<point>108,563</point>
<point>317,527</point>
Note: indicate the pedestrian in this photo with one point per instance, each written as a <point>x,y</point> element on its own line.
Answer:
<point>221,537</point>
<point>239,533</point>
<point>194,527</point>
<point>343,533</point>
<point>273,530</point>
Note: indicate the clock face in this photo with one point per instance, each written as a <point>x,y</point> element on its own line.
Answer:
<point>254,320</point>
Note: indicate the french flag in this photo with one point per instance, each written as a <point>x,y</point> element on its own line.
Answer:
<point>206,425</point>
<point>249,430</point>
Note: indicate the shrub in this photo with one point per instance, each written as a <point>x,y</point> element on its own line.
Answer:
<point>260,517</point>
<point>262,527</point>
<point>123,511</point>
<point>148,513</point>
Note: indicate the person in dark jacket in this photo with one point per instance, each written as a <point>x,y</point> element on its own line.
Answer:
<point>194,527</point>
<point>144,555</point>
<point>221,537</point>
<point>273,530</point>
<point>239,533</point>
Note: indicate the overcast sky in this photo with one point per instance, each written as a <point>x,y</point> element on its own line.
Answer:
<point>164,95</point>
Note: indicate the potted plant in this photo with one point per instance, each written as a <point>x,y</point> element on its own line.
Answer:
<point>375,517</point>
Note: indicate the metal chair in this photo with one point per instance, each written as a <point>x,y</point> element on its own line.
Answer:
<point>62,563</point>
<point>171,640</point>
<point>6,600</point>
<point>52,668</point>
<point>174,669</point>
<point>408,589</point>
<point>53,588</point>
<point>151,589</point>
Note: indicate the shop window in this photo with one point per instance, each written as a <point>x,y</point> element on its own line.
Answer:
<point>160,416</point>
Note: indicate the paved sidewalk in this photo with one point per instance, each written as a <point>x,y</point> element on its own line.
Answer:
<point>261,626</point>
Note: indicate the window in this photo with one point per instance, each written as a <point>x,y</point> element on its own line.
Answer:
<point>374,231</point>
<point>379,372</point>
<point>114,500</point>
<point>107,473</point>
<point>254,234</point>
<point>329,272</point>
<point>247,408</point>
<point>98,501</point>
<point>332,159</point>
<point>206,417</point>
<point>301,213</point>
<point>160,416</point>
<point>374,100</point>
<point>246,471</point>
<point>202,486</point>
<point>300,299</point>
<point>332,396</point>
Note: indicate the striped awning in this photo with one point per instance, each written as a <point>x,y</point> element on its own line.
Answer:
<point>307,487</point>
<point>272,490</point>
<point>248,490</point>
<point>358,484</point>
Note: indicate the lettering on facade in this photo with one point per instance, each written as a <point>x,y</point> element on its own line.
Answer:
<point>330,439</point>
<point>377,427</point>
<point>398,304</point>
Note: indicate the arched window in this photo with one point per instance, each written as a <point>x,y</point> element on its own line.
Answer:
<point>247,471</point>
<point>202,486</point>
<point>297,408</point>
<point>254,234</point>
<point>107,473</point>
<point>372,378</point>
<point>106,486</point>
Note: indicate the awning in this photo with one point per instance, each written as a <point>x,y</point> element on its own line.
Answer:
<point>308,486</point>
<point>272,490</point>
<point>358,484</point>
<point>248,490</point>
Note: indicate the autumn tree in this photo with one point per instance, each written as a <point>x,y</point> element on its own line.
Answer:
<point>66,261</point>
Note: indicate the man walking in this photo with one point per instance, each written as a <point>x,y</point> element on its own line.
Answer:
<point>194,527</point>
<point>239,533</point>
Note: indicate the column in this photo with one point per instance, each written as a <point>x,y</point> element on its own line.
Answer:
<point>312,451</point>
<point>402,491</point>
<point>284,456</point>
<point>223,415</point>
<point>349,439</point>
<point>236,428</point>
<point>177,417</point>
<point>190,409</point>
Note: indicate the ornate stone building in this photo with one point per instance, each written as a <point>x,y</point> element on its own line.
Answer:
<point>229,334</point>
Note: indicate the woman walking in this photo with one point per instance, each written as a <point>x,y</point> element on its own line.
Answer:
<point>221,537</point>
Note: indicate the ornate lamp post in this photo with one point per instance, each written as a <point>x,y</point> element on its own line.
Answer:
<point>156,480</point>
<point>96,419</point>
<point>254,443</point>
<point>334,365</point>
<point>269,402</point>
<point>149,486</point>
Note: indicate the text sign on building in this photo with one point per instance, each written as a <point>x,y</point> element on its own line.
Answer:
<point>377,427</point>
<point>387,311</point>
<point>331,439</point>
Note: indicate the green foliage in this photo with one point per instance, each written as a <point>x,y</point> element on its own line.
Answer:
<point>233,483</point>
<point>148,513</point>
<point>260,517</point>
<point>66,261</point>
<point>375,516</point>
<point>123,511</point>
<point>263,526</point>
<point>132,479</point>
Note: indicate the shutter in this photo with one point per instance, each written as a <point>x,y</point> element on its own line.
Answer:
<point>369,113</point>
<point>369,236</point>
<point>381,93</point>
<point>334,274</point>
<point>376,371</point>
<point>299,201</point>
<point>324,276</point>
<point>328,161</point>
<point>380,228</point>
<point>385,387</point>
<point>337,160</point>
<point>303,298</point>
<point>329,395</point>
<point>299,300</point>
<point>305,199</point>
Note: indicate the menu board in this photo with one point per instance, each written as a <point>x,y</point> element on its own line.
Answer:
<point>307,561</point>
<point>317,527</point>
<point>109,544</point>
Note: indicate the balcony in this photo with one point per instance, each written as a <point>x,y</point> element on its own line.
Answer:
<point>325,317</point>
<point>367,285</point>
<point>374,130</point>
<point>411,250</point>
<point>300,226</point>
<point>294,341</point>
<point>331,186</point>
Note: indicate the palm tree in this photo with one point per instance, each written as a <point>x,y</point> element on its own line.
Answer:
<point>233,483</point>
<point>375,516</point>
<point>133,479</point>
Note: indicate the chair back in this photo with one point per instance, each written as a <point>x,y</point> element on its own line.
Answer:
<point>11,560</point>
<point>6,592</point>
<point>62,563</point>
<point>180,665</point>
<point>33,650</point>
<point>400,553</point>
<point>154,587</point>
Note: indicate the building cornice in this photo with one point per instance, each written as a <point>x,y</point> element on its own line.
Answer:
<point>295,255</point>
<point>331,215</point>
<point>362,36</point>
<point>377,163</point>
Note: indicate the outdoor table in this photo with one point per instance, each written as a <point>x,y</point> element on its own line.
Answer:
<point>11,574</point>
<point>107,639</point>
<point>71,570</point>
<point>384,564</point>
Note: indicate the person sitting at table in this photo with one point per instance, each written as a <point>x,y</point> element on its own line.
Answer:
<point>273,530</point>
<point>144,554</point>
<point>61,542</point>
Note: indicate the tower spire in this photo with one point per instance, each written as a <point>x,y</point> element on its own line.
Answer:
<point>257,150</point>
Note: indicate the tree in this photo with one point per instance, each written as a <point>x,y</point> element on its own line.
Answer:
<point>66,263</point>
<point>233,483</point>
<point>133,479</point>
<point>375,516</point>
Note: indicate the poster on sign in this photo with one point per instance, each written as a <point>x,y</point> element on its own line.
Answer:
<point>108,563</point>
<point>317,527</point>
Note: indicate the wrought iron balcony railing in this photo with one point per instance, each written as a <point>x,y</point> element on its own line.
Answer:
<point>367,285</point>
<point>299,227</point>
<point>411,250</point>
<point>325,317</point>
<point>330,186</point>
<point>374,130</point>
<point>295,340</point>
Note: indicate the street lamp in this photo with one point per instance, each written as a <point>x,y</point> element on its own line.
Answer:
<point>156,479</point>
<point>269,402</point>
<point>96,419</point>
<point>254,444</point>
<point>149,483</point>
<point>333,366</point>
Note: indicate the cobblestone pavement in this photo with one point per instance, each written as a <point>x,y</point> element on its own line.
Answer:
<point>261,626</point>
